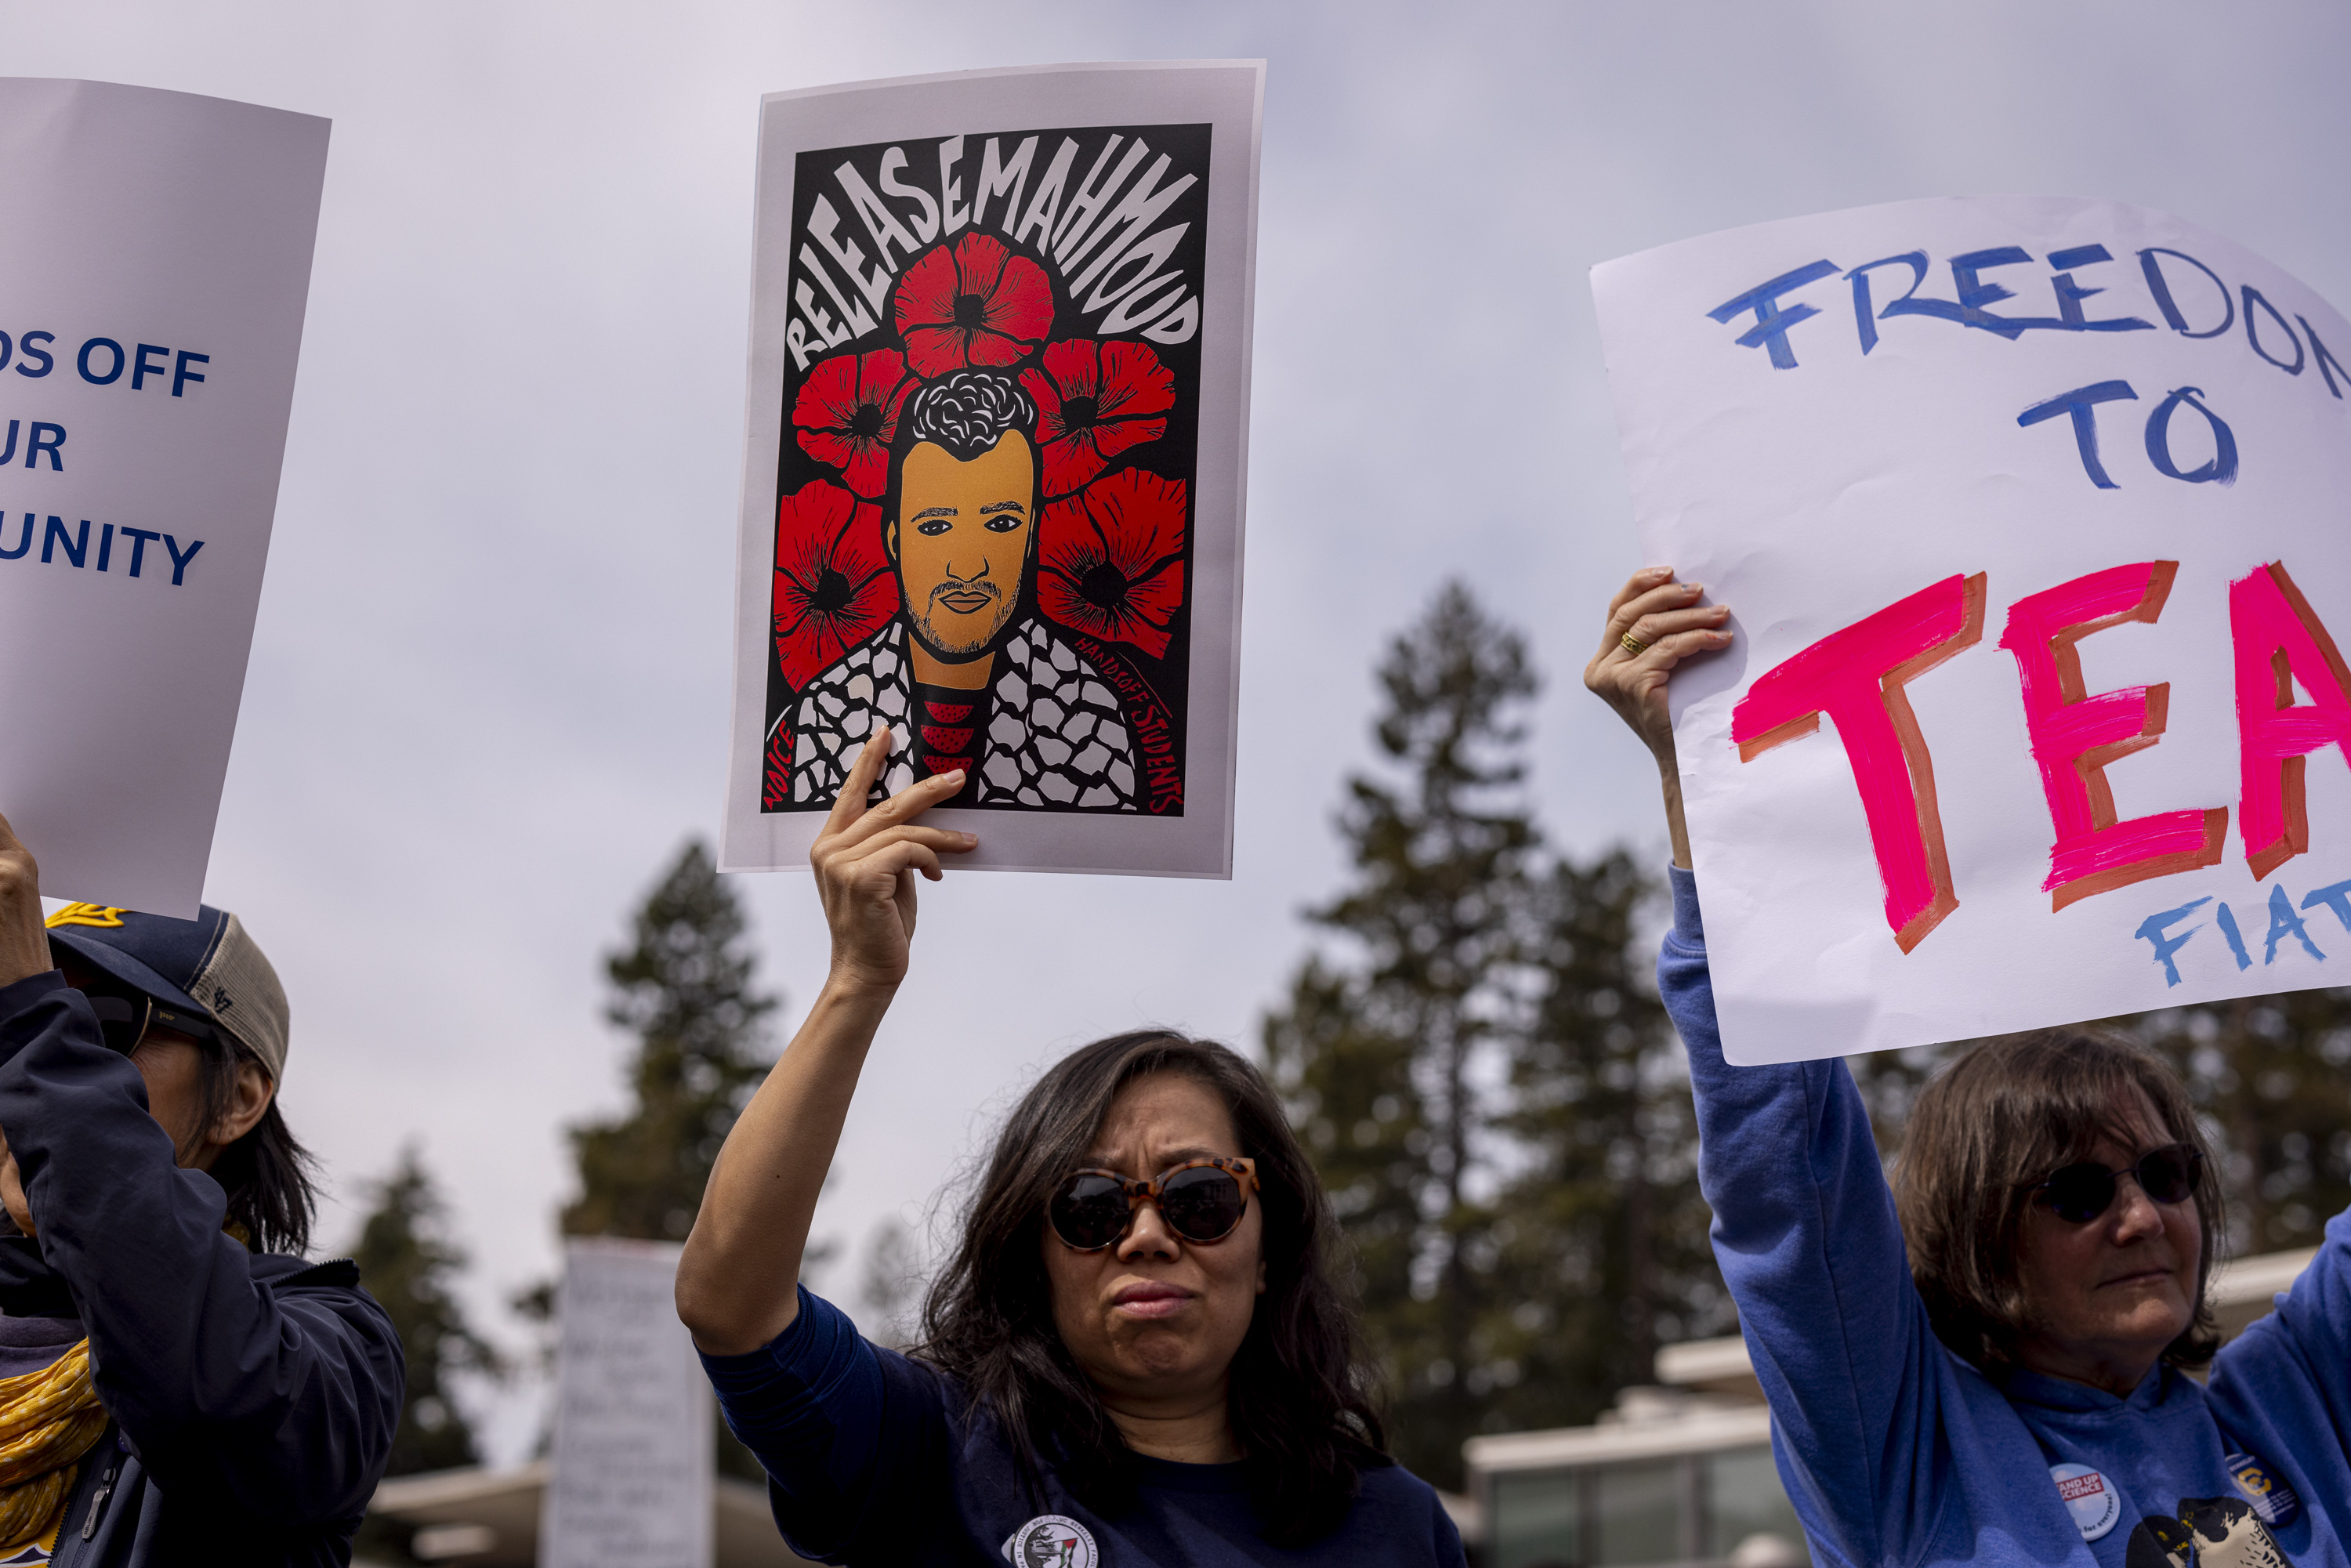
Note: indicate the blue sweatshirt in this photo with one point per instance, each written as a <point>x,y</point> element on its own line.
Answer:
<point>253,1397</point>
<point>870,1460</point>
<point>1896,1451</point>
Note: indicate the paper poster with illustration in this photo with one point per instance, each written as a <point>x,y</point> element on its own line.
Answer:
<point>2029,514</point>
<point>992,496</point>
<point>150,322</point>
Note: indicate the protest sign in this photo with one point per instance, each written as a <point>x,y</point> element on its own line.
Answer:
<point>993,477</point>
<point>150,313</point>
<point>631,1475</point>
<point>2028,513</point>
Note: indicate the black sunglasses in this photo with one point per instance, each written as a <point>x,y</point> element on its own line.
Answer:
<point>124,1016</point>
<point>1201,1200</point>
<point>2078,1194</point>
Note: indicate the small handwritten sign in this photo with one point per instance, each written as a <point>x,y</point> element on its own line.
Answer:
<point>633,1439</point>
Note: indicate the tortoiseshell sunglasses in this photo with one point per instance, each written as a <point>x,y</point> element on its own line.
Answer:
<point>1202,1200</point>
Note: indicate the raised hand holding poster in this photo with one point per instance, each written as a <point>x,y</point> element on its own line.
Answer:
<point>995,466</point>
<point>2030,513</point>
<point>151,314</point>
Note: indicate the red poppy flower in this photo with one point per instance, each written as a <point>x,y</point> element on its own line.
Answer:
<point>1111,560</point>
<point>973,303</point>
<point>847,412</point>
<point>833,584</point>
<point>1093,402</point>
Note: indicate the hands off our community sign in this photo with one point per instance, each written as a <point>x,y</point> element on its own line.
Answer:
<point>2031,515</point>
<point>993,488</point>
<point>148,339</point>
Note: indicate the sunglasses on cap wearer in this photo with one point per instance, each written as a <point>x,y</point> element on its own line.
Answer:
<point>1202,1200</point>
<point>125,1015</point>
<point>2078,1194</point>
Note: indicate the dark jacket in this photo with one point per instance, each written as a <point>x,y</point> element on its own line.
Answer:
<point>253,1397</point>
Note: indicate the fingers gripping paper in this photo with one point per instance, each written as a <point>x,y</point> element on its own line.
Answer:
<point>2031,515</point>
<point>149,327</point>
<point>992,498</point>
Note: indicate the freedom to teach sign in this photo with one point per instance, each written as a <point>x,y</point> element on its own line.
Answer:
<point>2031,516</point>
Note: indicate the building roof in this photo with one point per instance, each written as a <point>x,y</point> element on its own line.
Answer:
<point>480,1518</point>
<point>1710,1398</point>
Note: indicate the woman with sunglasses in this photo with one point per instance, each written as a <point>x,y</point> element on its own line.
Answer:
<point>1137,1353</point>
<point>1986,1364</point>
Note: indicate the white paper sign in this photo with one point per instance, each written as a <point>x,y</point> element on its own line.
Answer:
<point>150,312</point>
<point>993,479</point>
<point>2032,517</point>
<point>631,1486</point>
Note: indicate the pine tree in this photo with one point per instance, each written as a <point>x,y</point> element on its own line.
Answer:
<point>1603,1233</point>
<point>2269,1075</point>
<point>684,990</point>
<point>407,1260</point>
<point>2273,1074</point>
<point>1359,1112</point>
<point>891,1296</point>
<point>1381,1063</point>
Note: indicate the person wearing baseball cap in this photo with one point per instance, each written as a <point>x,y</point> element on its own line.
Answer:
<point>178,1383</point>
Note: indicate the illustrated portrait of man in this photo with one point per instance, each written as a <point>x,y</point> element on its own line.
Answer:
<point>968,676</point>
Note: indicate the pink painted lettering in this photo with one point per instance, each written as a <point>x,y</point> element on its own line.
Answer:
<point>1856,677</point>
<point>2075,736</point>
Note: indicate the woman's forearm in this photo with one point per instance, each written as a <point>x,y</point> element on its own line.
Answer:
<point>1669,775</point>
<point>736,1283</point>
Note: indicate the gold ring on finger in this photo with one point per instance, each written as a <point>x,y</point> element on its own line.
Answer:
<point>1634,645</point>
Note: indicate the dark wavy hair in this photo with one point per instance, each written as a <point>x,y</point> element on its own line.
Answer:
<point>967,411</point>
<point>2003,1116</point>
<point>1302,1400</point>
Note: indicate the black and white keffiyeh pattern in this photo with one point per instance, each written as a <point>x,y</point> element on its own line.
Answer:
<point>1056,738</point>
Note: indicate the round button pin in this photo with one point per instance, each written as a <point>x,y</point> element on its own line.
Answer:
<point>2094,1503</point>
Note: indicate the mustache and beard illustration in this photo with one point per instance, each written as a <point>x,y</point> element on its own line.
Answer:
<point>960,616</point>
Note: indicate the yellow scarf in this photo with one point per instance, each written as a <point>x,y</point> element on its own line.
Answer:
<point>48,1420</point>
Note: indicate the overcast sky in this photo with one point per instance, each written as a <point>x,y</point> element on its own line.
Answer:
<point>490,685</point>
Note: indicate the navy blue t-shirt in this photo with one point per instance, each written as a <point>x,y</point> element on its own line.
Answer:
<point>871,1461</point>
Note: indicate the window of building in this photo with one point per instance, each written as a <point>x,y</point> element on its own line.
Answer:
<point>1743,1499</point>
<point>1639,1512</point>
<point>1535,1520</point>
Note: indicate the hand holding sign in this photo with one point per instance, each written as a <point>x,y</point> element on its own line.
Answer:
<point>1665,618</point>
<point>866,859</point>
<point>1987,560</point>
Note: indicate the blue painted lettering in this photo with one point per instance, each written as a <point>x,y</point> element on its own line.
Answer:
<point>2082,405</point>
<point>1865,323</point>
<point>2153,928</point>
<point>2071,294</point>
<point>1772,323</point>
<point>2227,920</point>
<point>2252,334</point>
<point>2221,468</point>
<point>2161,286</point>
<point>2328,365</point>
<point>2284,923</point>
